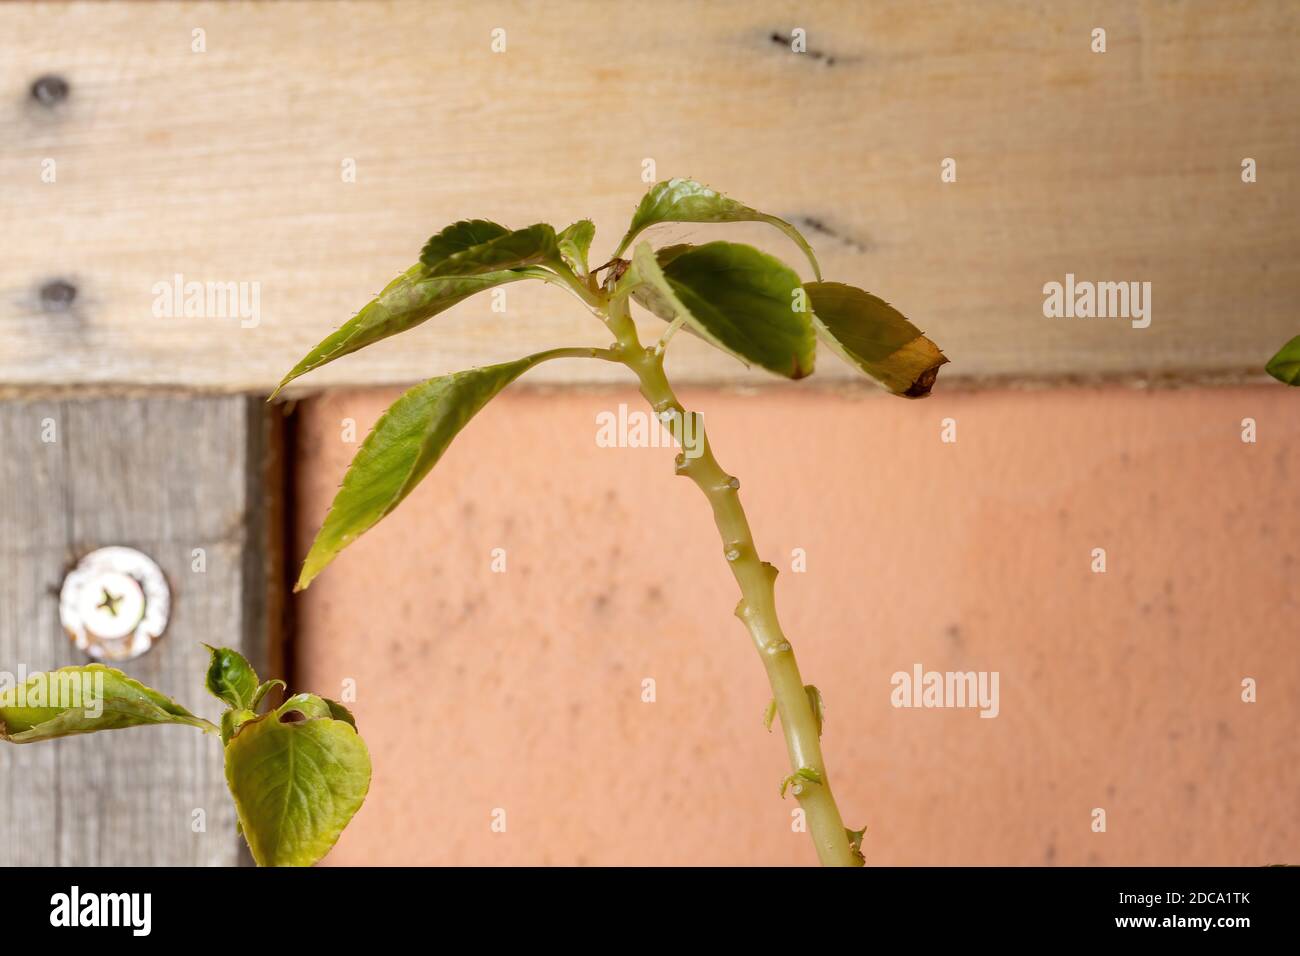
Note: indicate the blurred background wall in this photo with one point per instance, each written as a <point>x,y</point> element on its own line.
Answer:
<point>952,157</point>
<point>1120,690</point>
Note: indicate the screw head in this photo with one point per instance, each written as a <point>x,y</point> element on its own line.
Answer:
<point>114,604</point>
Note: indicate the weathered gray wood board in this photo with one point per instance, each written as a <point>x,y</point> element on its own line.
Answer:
<point>230,165</point>
<point>167,476</point>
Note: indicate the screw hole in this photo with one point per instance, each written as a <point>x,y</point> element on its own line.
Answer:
<point>57,295</point>
<point>50,90</point>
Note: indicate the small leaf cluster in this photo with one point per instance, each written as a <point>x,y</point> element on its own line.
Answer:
<point>297,772</point>
<point>743,301</point>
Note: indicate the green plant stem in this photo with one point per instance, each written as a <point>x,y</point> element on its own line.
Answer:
<point>757,607</point>
<point>207,726</point>
<point>578,351</point>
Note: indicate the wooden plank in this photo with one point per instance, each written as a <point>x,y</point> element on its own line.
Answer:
<point>167,476</point>
<point>226,166</point>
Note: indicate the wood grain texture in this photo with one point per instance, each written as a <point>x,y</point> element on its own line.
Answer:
<point>225,166</point>
<point>166,476</point>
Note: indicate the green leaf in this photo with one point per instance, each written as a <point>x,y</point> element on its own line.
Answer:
<point>738,299</point>
<point>231,721</point>
<point>513,250</point>
<point>307,706</point>
<point>265,688</point>
<point>297,776</point>
<point>684,200</point>
<point>575,244</point>
<point>458,237</point>
<point>769,714</point>
<point>82,700</point>
<point>410,299</point>
<point>313,706</point>
<point>310,706</point>
<point>1285,365</point>
<point>869,333</point>
<point>401,449</point>
<point>231,678</point>
<point>666,254</point>
<point>339,712</point>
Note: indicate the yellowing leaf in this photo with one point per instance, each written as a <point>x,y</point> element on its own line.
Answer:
<point>869,333</point>
<point>83,700</point>
<point>297,777</point>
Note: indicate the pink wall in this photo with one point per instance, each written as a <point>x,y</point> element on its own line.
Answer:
<point>1122,690</point>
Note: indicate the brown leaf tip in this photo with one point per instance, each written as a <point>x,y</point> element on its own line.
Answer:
<point>924,382</point>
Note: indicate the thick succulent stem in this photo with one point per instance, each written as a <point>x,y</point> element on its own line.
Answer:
<point>800,723</point>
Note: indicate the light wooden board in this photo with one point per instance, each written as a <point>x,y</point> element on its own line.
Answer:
<point>226,166</point>
<point>166,476</point>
